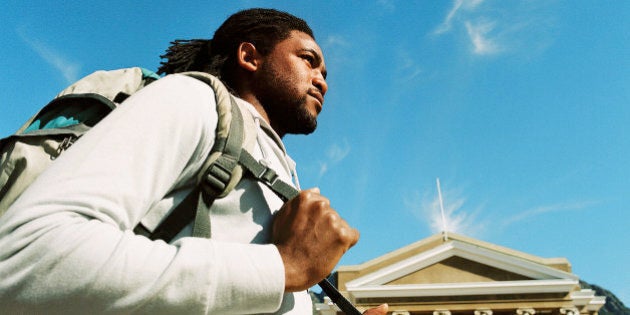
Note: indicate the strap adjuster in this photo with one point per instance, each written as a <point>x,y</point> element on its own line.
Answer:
<point>266,174</point>
<point>218,175</point>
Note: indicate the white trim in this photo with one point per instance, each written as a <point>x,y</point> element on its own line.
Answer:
<point>596,303</point>
<point>469,288</point>
<point>404,267</point>
<point>510,263</point>
<point>457,248</point>
<point>582,297</point>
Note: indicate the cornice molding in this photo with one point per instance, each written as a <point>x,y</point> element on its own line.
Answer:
<point>468,288</point>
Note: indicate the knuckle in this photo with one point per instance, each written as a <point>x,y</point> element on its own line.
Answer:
<point>332,217</point>
<point>349,236</point>
<point>322,204</point>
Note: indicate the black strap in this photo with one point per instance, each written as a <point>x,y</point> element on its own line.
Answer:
<point>267,176</point>
<point>287,192</point>
<point>335,296</point>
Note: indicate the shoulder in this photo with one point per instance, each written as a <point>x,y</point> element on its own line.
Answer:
<point>180,88</point>
<point>176,98</point>
<point>175,110</point>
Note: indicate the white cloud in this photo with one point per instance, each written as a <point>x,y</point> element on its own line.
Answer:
<point>408,68</point>
<point>457,218</point>
<point>461,218</point>
<point>339,52</point>
<point>479,37</point>
<point>457,6</point>
<point>463,13</point>
<point>334,41</point>
<point>446,24</point>
<point>499,27</point>
<point>541,210</point>
<point>68,69</point>
<point>387,5</point>
<point>336,153</point>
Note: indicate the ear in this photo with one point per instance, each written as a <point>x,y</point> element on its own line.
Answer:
<point>248,57</point>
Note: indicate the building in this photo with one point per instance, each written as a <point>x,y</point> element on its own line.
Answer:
<point>453,275</point>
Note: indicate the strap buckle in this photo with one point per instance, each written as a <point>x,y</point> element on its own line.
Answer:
<point>267,174</point>
<point>218,175</point>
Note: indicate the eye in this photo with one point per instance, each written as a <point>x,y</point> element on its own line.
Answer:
<point>309,58</point>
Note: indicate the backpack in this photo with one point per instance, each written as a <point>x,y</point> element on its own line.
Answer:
<point>75,110</point>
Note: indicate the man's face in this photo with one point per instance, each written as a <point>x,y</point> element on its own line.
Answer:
<point>291,84</point>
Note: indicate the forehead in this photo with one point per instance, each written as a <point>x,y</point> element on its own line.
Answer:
<point>299,41</point>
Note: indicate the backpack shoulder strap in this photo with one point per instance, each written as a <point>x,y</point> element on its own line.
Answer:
<point>235,131</point>
<point>220,172</point>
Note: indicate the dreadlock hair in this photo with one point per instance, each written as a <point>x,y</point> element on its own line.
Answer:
<point>262,27</point>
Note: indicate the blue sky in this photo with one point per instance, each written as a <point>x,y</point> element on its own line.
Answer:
<point>520,108</point>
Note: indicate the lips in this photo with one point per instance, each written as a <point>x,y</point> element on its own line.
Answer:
<point>319,97</point>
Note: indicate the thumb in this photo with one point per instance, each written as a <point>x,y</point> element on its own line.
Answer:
<point>379,310</point>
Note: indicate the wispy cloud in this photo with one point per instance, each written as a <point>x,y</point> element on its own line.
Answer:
<point>68,69</point>
<point>338,50</point>
<point>408,68</point>
<point>334,155</point>
<point>457,218</point>
<point>334,41</point>
<point>464,12</point>
<point>458,5</point>
<point>387,5</point>
<point>462,218</point>
<point>546,209</point>
<point>496,27</point>
<point>482,43</point>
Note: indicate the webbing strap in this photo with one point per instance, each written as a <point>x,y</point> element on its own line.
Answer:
<point>217,175</point>
<point>179,217</point>
<point>202,217</point>
<point>267,176</point>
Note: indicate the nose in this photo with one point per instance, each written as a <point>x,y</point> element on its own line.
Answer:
<point>320,83</point>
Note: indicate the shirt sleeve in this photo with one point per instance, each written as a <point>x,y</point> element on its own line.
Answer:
<point>66,244</point>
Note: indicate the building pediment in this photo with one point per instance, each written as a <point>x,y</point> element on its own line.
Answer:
<point>463,268</point>
<point>463,274</point>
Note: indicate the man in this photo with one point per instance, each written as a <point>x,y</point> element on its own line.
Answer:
<point>66,244</point>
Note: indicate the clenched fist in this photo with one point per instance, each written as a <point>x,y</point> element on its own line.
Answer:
<point>311,238</point>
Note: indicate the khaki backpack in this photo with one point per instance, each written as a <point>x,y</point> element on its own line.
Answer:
<point>76,109</point>
<point>73,112</point>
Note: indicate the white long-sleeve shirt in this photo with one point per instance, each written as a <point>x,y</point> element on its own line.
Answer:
<point>66,244</point>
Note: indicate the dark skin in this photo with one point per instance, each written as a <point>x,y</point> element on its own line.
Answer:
<point>287,87</point>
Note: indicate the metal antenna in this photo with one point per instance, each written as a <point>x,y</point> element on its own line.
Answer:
<point>444,232</point>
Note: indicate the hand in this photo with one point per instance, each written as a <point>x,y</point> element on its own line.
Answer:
<point>379,310</point>
<point>311,238</point>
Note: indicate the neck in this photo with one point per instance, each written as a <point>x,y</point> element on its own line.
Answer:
<point>252,99</point>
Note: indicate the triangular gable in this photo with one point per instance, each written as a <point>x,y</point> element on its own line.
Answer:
<point>457,269</point>
<point>528,276</point>
<point>495,259</point>
<point>455,272</point>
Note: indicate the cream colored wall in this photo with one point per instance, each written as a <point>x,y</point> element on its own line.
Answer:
<point>455,270</point>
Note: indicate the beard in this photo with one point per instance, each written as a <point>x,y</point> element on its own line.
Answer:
<point>285,105</point>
